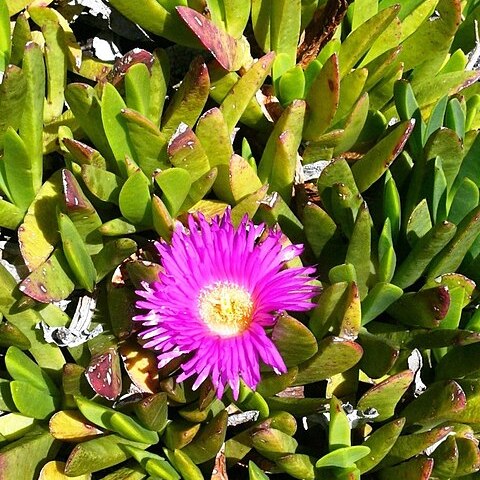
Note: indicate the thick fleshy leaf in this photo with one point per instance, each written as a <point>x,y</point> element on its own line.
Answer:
<point>183,464</point>
<point>374,163</point>
<point>218,148</point>
<point>135,201</point>
<point>158,18</point>
<point>248,205</point>
<point>154,464</point>
<point>360,40</point>
<point>141,366</point>
<point>294,341</point>
<point>39,232</point>
<point>407,446</point>
<point>353,126</point>
<point>149,143</point>
<point>179,434</point>
<point>185,151</point>
<point>380,442</point>
<point>379,298</point>
<point>86,106</point>
<point>273,443</point>
<point>82,213</point>
<point>18,170</point>
<point>465,200</point>
<point>419,468</point>
<point>55,470</point>
<point>379,355</point>
<point>234,104</point>
<point>197,414</point>
<point>209,439</point>
<point>242,180</point>
<point>113,254</point>
<point>343,457</point>
<point>319,228</point>
<point>31,124</point>
<point>339,434</point>
<point>115,126</point>
<point>121,308</point>
<point>55,59</point>
<point>188,102</point>
<point>450,258</point>
<point>10,335</point>
<point>351,87</point>
<point>51,281</point>
<point>419,222</point>
<point>22,368</point>
<point>441,402</point>
<point>322,108</point>
<point>385,396</point>
<point>84,154</point>
<point>424,250</point>
<point>12,98</point>
<point>445,457</point>
<point>338,173</point>
<point>23,456</point>
<point>335,355</point>
<point>71,426</point>
<point>161,218</point>
<point>221,45</point>
<point>458,362</point>
<point>46,355</point>
<point>76,253</point>
<point>358,252</point>
<point>10,215</point>
<point>274,210</point>
<point>255,473</point>
<point>446,144</point>
<point>43,407</point>
<point>15,425</point>
<point>329,310</point>
<point>175,184</point>
<point>116,421</point>
<point>297,465</point>
<point>271,383</point>
<point>97,454</point>
<point>104,374</point>
<point>426,308</point>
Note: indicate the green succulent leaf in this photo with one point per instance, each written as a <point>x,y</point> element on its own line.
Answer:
<point>12,98</point>
<point>343,457</point>
<point>380,443</point>
<point>188,102</point>
<point>335,355</point>
<point>135,201</point>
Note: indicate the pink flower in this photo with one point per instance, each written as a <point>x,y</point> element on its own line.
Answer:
<point>220,292</point>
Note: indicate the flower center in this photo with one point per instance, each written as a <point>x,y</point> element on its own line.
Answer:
<point>225,308</point>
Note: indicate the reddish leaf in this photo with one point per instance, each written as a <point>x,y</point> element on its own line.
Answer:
<point>103,374</point>
<point>122,64</point>
<point>222,46</point>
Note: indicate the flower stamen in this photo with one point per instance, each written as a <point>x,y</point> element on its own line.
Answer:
<point>225,308</point>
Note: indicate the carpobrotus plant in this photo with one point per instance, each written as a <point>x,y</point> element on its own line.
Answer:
<point>174,182</point>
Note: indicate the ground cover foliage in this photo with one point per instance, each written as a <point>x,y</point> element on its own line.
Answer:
<point>354,127</point>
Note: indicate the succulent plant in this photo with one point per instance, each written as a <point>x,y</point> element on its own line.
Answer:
<point>350,128</point>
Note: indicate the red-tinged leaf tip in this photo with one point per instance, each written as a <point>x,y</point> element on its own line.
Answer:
<point>221,45</point>
<point>183,138</point>
<point>74,197</point>
<point>122,64</point>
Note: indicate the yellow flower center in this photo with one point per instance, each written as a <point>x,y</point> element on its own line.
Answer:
<point>225,308</point>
